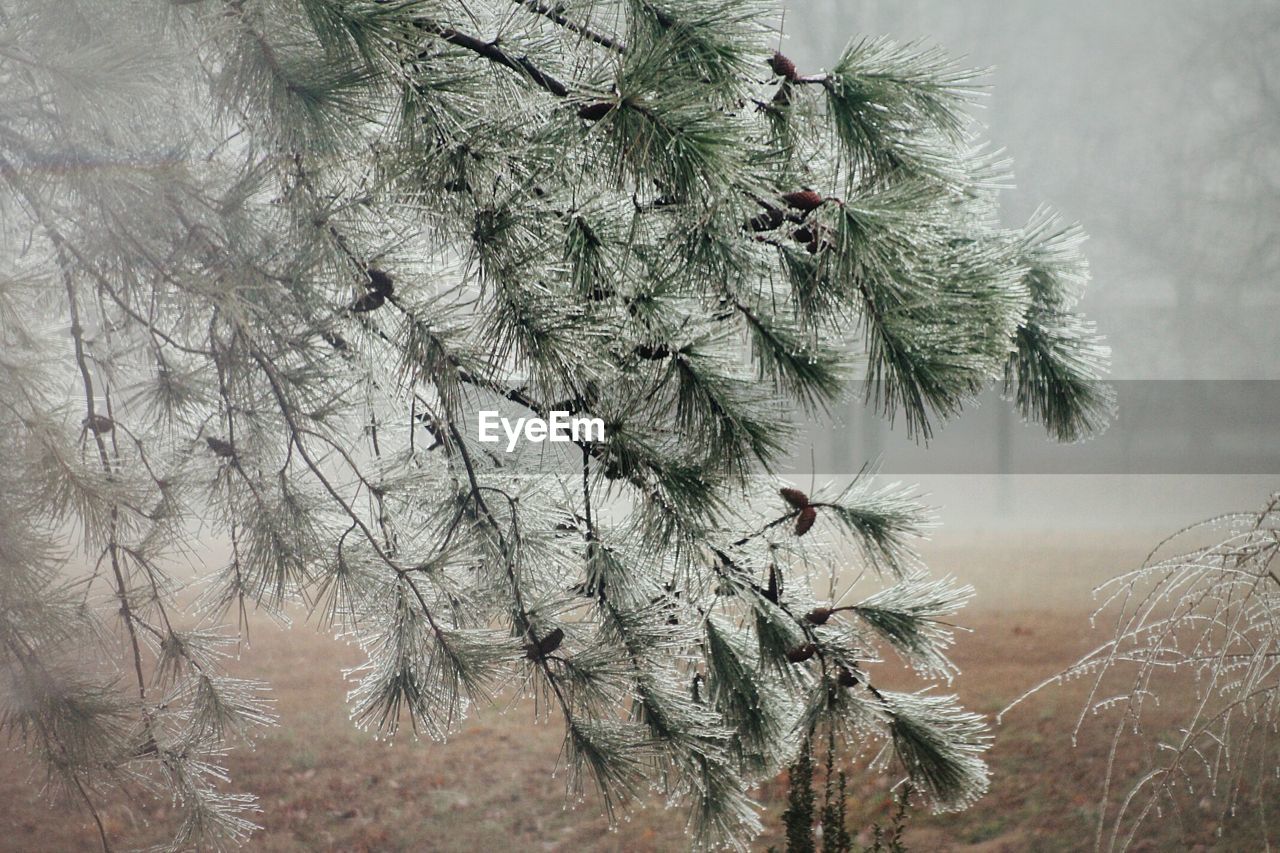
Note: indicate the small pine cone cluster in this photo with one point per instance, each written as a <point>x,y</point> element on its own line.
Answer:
<point>797,499</point>
<point>770,220</point>
<point>818,616</point>
<point>815,238</point>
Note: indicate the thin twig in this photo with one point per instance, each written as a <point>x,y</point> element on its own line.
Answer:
<point>556,15</point>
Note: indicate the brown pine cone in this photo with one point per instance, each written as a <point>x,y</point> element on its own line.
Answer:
<point>371,301</point>
<point>804,523</point>
<point>380,282</point>
<point>652,352</point>
<point>545,646</point>
<point>782,66</point>
<point>800,654</point>
<point>771,219</point>
<point>98,424</point>
<point>805,200</point>
<point>818,616</point>
<point>596,111</point>
<point>795,497</point>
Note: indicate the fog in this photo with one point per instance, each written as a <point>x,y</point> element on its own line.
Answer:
<point>1153,123</point>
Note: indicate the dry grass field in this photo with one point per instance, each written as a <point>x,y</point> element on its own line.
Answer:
<point>325,786</point>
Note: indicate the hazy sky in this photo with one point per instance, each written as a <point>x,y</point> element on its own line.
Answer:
<point>1154,122</point>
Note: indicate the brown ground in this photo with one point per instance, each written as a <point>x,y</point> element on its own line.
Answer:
<point>325,786</point>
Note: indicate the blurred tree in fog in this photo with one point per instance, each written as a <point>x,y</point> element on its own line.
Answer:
<point>265,260</point>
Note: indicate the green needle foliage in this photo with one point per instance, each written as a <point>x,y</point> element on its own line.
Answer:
<point>798,818</point>
<point>265,260</point>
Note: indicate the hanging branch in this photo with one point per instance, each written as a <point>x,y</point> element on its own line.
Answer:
<point>376,236</point>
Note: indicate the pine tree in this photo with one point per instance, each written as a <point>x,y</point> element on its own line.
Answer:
<point>834,815</point>
<point>264,262</point>
<point>798,818</point>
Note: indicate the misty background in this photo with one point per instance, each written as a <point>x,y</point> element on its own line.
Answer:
<point>1155,124</point>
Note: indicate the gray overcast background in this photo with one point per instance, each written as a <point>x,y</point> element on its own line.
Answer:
<point>1155,123</point>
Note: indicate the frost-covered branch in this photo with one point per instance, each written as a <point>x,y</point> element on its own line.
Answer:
<point>300,244</point>
<point>1210,612</point>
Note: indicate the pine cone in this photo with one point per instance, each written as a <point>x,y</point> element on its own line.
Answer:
<point>800,654</point>
<point>805,200</point>
<point>782,66</point>
<point>596,111</point>
<point>818,616</point>
<point>98,424</point>
<point>545,646</point>
<point>814,237</point>
<point>380,282</point>
<point>774,592</point>
<point>795,497</point>
<point>371,301</point>
<point>767,221</point>
<point>846,678</point>
<point>652,352</point>
<point>804,523</point>
<point>220,447</point>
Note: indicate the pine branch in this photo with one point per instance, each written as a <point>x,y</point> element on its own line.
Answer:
<point>77,335</point>
<point>524,623</point>
<point>798,818</point>
<point>497,55</point>
<point>379,238</point>
<point>555,13</point>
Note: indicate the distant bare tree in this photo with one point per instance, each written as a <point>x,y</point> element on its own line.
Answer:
<point>1211,612</point>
